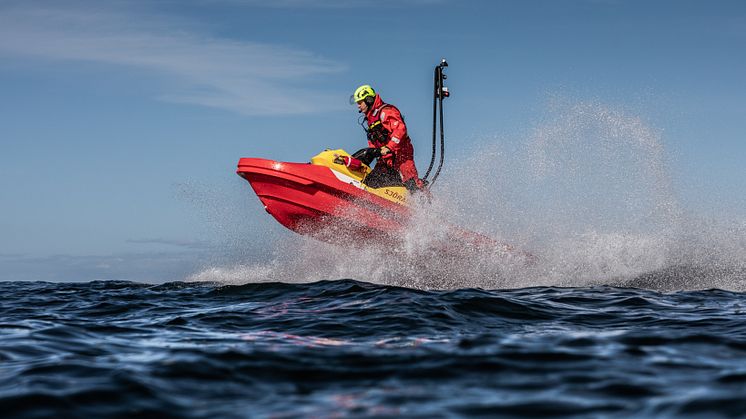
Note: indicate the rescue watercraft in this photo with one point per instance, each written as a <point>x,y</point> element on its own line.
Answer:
<point>328,201</point>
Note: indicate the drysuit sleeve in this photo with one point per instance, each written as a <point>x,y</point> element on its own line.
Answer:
<point>393,122</point>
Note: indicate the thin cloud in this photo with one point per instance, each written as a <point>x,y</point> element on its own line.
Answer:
<point>250,78</point>
<point>329,4</point>
<point>187,244</point>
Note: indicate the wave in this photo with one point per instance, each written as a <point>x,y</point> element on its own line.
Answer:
<point>114,348</point>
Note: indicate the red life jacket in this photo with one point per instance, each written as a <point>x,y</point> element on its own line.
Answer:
<point>386,127</point>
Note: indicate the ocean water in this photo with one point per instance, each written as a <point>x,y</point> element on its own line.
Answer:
<point>347,348</point>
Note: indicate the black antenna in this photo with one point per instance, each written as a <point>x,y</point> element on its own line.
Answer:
<point>441,92</point>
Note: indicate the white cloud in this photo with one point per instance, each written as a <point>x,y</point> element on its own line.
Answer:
<point>247,77</point>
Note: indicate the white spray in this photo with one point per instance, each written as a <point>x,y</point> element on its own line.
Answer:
<point>587,192</point>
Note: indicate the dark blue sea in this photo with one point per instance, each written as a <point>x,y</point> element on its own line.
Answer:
<point>354,349</point>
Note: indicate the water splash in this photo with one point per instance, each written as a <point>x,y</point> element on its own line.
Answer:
<point>587,191</point>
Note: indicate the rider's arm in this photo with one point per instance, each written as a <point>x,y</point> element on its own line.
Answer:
<point>392,121</point>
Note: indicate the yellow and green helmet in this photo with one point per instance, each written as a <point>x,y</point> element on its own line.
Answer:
<point>361,93</point>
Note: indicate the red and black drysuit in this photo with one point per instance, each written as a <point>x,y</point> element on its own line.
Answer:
<point>386,128</point>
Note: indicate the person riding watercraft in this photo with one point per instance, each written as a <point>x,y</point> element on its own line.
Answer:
<point>347,206</point>
<point>387,141</point>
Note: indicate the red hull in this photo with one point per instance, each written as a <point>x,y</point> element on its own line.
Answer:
<point>310,200</point>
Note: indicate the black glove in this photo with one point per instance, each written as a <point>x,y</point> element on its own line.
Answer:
<point>367,155</point>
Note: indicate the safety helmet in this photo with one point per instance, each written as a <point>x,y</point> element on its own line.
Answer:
<point>362,93</point>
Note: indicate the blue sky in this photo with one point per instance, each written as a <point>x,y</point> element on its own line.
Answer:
<point>121,122</point>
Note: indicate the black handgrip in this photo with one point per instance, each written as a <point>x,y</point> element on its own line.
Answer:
<point>367,155</point>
